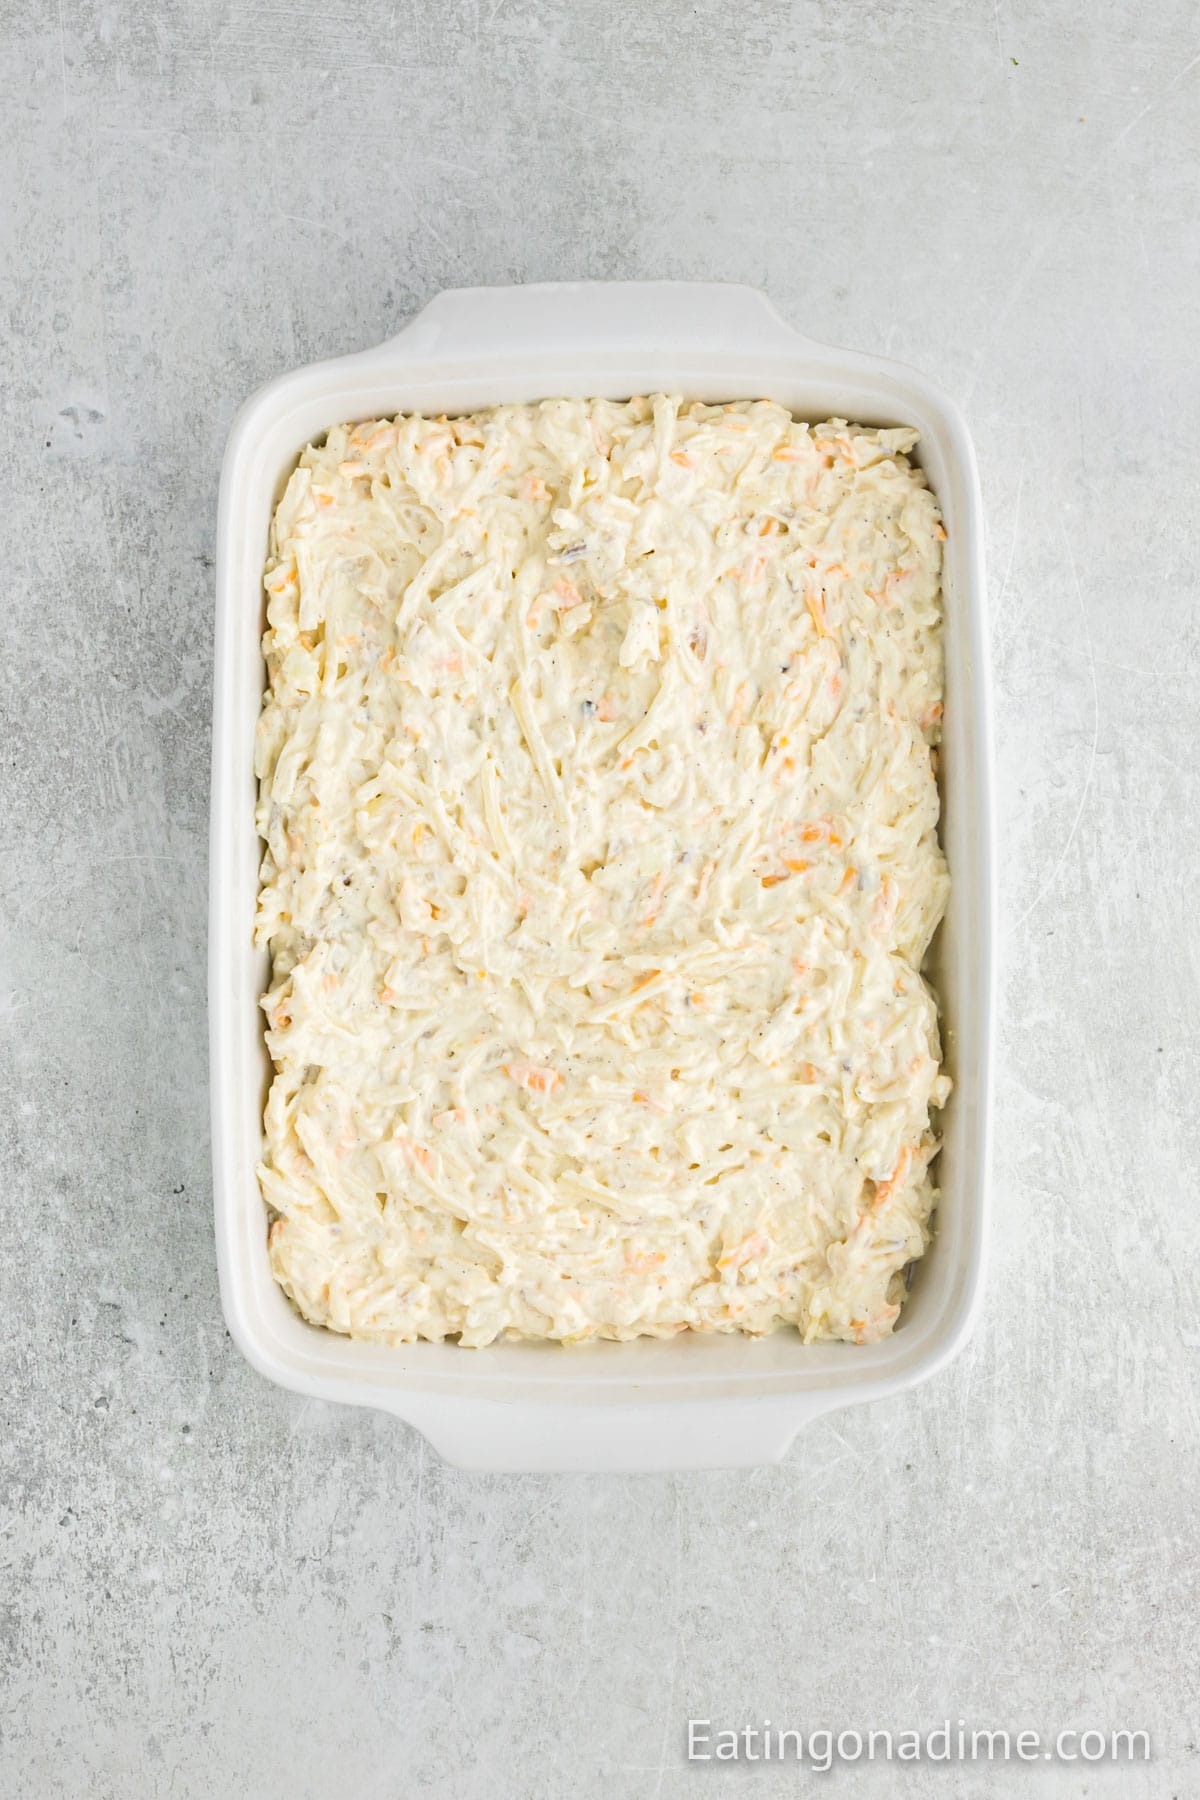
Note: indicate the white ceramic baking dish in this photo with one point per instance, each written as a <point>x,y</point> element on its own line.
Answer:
<point>693,1402</point>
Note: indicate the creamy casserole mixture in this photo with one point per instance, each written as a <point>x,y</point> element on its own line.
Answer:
<point>598,789</point>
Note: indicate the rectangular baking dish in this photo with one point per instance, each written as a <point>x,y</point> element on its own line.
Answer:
<point>693,1402</point>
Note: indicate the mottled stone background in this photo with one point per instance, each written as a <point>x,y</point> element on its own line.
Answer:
<point>212,1588</point>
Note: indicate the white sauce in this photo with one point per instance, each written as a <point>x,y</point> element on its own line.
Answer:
<point>600,812</point>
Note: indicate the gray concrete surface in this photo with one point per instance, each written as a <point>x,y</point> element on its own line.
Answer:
<point>210,1587</point>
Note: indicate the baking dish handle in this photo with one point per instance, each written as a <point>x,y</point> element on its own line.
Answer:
<point>633,1440</point>
<point>592,317</point>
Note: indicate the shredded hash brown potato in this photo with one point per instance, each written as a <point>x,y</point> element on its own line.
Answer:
<point>598,792</point>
